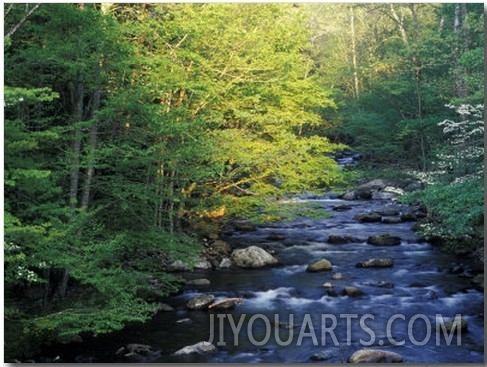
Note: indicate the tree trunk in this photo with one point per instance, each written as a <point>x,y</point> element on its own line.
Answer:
<point>354,52</point>
<point>93,139</point>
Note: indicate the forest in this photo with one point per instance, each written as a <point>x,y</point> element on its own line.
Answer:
<point>133,131</point>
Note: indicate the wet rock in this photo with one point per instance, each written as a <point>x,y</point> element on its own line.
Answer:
<point>340,240</point>
<point>458,323</point>
<point>202,264</point>
<point>200,348</point>
<point>341,208</point>
<point>225,263</point>
<point>376,263</point>
<point>200,302</point>
<point>331,293</point>
<point>321,356</point>
<point>375,356</point>
<point>327,285</point>
<point>135,351</point>
<point>409,216</point>
<point>430,295</point>
<point>321,265</point>
<point>384,239</point>
<point>337,276</point>
<point>199,282</point>
<point>368,218</point>
<point>252,257</point>
<point>352,292</point>
<point>391,220</point>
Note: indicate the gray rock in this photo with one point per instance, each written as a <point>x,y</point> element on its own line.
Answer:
<point>342,208</point>
<point>375,356</point>
<point>321,265</point>
<point>384,239</point>
<point>460,324</point>
<point>200,348</point>
<point>225,263</point>
<point>391,220</point>
<point>352,292</point>
<point>200,302</point>
<point>380,284</point>
<point>338,240</point>
<point>409,216</point>
<point>252,257</point>
<point>327,285</point>
<point>133,348</point>
<point>376,263</point>
<point>202,264</point>
<point>337,276</point>
<point>368,218</point>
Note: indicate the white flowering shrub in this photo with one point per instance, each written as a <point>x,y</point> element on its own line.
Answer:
<point>462,156</point>
<point>455,195</point>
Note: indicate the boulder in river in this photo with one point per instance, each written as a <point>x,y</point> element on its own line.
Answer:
<point>365,191</point>
<point>458,323</point>
<point>368,218</point>
<point>225,263</point>
<point>135,351</point>
<point>200,348</point>
<point>391,220</point>
<point>340,240</point>
<point>342,208</point>
<point>252,257</point>
<point>375,356</point>
<point>320,265</point>
<point>384,239</point>
<point>386,262</point>
<point>200,302</point>
<point>352,291</point>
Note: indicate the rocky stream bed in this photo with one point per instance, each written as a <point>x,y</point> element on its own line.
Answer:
<point>359,269</point>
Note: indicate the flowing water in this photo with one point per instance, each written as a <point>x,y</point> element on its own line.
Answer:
<point>329,327</point>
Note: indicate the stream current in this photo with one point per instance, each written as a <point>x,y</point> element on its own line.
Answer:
<point>416,291</point>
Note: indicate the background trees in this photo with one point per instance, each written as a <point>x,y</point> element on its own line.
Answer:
<point>126,124</point>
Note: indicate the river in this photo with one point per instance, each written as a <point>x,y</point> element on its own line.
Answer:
<point>413,294</point>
